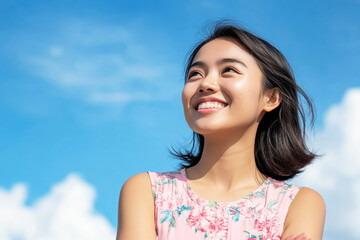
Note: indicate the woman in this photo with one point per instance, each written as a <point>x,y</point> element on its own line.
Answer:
<point>241,100</point>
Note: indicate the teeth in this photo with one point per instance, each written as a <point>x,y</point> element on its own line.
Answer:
<point>211,105</point>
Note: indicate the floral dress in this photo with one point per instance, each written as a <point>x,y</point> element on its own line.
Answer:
<point>182,214</point>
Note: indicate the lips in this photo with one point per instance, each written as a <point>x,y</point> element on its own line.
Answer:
<point>209,99</point>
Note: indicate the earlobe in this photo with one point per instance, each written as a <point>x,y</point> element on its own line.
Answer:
<point>273,99</point>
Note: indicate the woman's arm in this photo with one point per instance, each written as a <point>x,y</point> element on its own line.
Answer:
<point>136,210</point>
<point>306,215</point>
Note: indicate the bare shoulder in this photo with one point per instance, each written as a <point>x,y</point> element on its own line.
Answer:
<point>306,214</point>
<point>136,190</point>
<point>136,208</point>
<point>135,183</point>
<point>306,193</point>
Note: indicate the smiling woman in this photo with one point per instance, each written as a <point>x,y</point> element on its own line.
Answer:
<point>241,101</point>
<point>230,76</point>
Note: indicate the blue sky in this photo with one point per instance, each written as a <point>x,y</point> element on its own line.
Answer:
<point>92,88</point>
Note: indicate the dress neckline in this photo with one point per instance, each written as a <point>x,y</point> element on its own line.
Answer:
<point>254,195</point>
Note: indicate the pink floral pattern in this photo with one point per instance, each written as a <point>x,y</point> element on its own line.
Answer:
<point>205,220</point>
<point>181,214</point>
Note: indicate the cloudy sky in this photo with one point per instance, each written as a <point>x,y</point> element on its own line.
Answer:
<point>90,95</point>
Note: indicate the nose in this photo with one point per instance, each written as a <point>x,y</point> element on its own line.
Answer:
<point>209,84</point>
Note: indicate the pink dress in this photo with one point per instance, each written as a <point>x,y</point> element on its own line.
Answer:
<point>182,214</point>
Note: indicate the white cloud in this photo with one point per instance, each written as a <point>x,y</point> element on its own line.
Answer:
<point>89,57</point>
<point>66,212</point>
<point>337,174</point>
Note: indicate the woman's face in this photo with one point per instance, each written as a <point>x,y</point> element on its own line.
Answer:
<point>227,83</point>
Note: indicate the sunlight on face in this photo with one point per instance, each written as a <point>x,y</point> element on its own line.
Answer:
<point>222,70</point>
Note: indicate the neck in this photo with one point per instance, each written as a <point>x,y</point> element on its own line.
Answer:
<point>228,161</point>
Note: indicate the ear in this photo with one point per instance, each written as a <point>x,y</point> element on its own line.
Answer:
<point>272,98</point>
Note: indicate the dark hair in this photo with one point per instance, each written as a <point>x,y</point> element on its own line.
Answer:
<point>280,148</point>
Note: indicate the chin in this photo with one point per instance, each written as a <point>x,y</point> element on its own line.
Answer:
<point>208,130</point>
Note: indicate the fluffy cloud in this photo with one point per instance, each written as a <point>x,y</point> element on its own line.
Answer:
<point>336,175</point>
<point>91,59</point>
<point>67,212</point>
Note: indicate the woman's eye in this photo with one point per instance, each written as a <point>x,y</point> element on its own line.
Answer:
<point>230,70</point>
<point>194,74</point>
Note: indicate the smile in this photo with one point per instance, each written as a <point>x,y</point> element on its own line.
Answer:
<point>210,103</point>
<point>206,105</point>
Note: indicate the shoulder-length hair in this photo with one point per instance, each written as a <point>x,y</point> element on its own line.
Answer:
<point>280,148</point>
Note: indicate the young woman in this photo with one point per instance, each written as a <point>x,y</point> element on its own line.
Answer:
<point>241,100</point>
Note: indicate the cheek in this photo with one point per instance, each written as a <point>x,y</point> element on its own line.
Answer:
<point>238,91</point>
<point>244,94</point>
<point>186,95</point>
<point>247,86</point>
<point>238,85</point>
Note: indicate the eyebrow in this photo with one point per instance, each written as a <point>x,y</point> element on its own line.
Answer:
<point>219,62</point>
<point>230,60</point>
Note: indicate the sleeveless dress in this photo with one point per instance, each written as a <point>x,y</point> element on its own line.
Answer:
<point>182,214</point>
